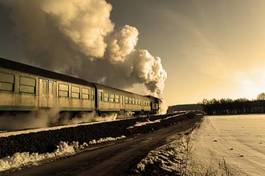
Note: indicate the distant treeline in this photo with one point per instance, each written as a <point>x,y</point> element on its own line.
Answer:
<point>229,106</point>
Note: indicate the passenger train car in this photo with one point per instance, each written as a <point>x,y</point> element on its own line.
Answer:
<point>27,88</point>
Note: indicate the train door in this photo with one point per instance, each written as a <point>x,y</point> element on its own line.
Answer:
<point>43,92</point>
<point>51,93</point>
<point>47,93</point>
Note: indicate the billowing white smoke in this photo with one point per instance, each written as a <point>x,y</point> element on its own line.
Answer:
<point>78,37</point>
<point>122,43</point>
<point>149,70</point>
<point>85,22</point>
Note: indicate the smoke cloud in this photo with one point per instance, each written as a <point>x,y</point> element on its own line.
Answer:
<point>77,37</point>
<point>122,43</point>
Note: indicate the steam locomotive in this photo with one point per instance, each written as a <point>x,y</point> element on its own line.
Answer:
<point>25,88</point>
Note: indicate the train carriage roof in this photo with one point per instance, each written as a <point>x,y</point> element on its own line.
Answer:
<point>8,64</point>
<point>104,87</point>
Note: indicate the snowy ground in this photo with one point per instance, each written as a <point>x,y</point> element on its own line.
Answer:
<point>223,145</point>
<point>239,140</point>
<point>63,149</point>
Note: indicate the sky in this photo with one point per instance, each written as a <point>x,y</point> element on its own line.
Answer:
<point>209,49</point>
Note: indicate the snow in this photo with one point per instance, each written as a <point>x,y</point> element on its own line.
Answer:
<point>239,140</point>
<point>170,158</point>
<point>137,124</point>
<point>25,158</point>
<point>63,149</point>
<point>107,139</point>
<point>223,145</point>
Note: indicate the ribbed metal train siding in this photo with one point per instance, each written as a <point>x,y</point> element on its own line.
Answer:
<point>25,92</point>
<point>27,88</point>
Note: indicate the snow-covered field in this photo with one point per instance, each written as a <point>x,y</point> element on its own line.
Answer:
<point>223,145</point>
<point>239,140</point>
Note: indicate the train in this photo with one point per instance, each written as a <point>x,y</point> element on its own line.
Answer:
<point>26,88</point>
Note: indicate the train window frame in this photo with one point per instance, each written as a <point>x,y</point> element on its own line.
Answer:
<point>100,94</point>
<point>75,92</point>
<point>61,91</point>
<point>7,82</point>
<point>85,93</point>
<point>105,96</point>
<point>111,97</point>
<point>116,98</point>
<point>25,88</point>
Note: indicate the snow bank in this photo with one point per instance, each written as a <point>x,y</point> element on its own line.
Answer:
<point>107,139</point>
<point>63,149</point>
<point>148,122</point>
<point>169,159</point>
<point>137,124</point>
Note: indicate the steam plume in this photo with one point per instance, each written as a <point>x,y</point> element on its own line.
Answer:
<point>77,37</point>
<point>123,43</point>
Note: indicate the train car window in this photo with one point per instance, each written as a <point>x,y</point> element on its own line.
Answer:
<point>85,94</point>
<point>106,97</point>
<point>117,98</point>
<point>126,100</point>
<point>111,98</point>
<point>63,90</point>
<point>7,81</point>
<point>100,96</point>
<point>27,85</point>
<point>75,92</point>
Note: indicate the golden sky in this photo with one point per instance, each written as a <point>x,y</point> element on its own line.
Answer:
<point>209,48</point>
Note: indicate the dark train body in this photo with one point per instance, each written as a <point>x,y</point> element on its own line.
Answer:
<point>27,88</point>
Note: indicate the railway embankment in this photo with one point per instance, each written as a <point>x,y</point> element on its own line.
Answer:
<point>48,140</point>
